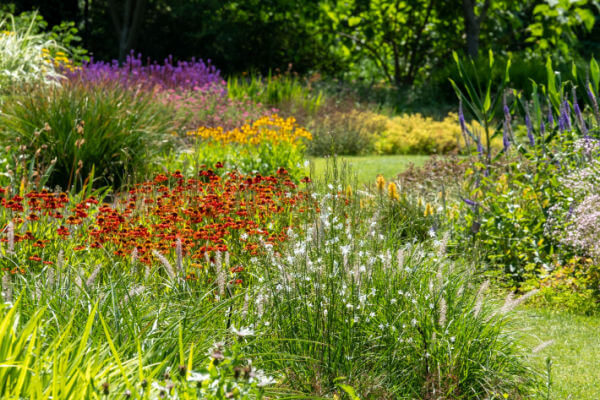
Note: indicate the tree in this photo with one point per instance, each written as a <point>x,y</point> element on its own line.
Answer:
<point>396,36</point>
<point>474,14</point>
<point>127,22</point>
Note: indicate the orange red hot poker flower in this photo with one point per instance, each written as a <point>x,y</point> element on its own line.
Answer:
<point>207,214</point>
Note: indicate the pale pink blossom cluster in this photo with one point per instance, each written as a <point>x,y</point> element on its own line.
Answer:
<point>581,229</point>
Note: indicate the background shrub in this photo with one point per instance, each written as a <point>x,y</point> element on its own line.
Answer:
<point>346,133</point>
<point>77,129</point>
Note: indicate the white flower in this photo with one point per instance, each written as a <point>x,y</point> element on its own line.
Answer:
<point>244,236</point>
<point>198,377</point>
<point>413,322</point>
<point>243,331</point>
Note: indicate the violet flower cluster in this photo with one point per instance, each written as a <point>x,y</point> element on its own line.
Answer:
<point>183,75</point>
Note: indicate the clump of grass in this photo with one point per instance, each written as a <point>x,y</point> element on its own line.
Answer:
<point>25,55</point>
<point>396,319</point>
<point>104,132</point>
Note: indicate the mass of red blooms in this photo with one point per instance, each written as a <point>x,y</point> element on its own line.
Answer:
<point>207,214</point>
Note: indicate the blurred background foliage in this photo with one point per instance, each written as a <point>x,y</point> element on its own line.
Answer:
<point>397,44</point>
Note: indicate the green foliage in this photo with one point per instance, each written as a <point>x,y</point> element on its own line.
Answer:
<point>264,159</point>
<point>346,133</point>
<point>102,132</point>
<point>556,24</point>
<point>286,92</point>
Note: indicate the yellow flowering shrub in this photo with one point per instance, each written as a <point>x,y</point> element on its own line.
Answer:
<point>272,128</point>
<point>416,134</point>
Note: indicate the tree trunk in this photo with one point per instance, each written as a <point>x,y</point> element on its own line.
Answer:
<point>128,27</point>
<point>473,24</point>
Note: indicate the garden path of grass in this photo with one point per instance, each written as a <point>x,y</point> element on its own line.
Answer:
<point>575,353</point>
<point>367,167</point>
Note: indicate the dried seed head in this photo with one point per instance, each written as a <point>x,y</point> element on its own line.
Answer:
<point>10,233</point>
<point>92,278</point>
<point>479,298</point>
<point>179,253</point>
<point>542,346</point>
<point>165,263</point>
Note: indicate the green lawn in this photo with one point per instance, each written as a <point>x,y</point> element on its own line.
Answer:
<point>575,353</point>
<point>367,167</point>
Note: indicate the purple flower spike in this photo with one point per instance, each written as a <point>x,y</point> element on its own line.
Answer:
<point>550,118</point>
<point>185,75</point>
<point>529,130</point>
<point>566,115</point>
<point>580,120</point>
<point>505,138</point>
<point>469,202</point>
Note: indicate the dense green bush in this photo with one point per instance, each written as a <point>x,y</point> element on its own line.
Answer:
<point>78,132</point>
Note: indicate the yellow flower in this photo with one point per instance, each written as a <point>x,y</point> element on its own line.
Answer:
<point>428,210</point>
<point>380,183</point>
<point>393,191</point>
<point>270,128</point>
<point>348,191</point>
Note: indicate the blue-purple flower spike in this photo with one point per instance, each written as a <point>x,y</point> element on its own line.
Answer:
<point>542,129</point>
<point>529,130</point>
<point>566,115</point>
<point>550,118</point>
<point>580,120</point>
<point>461,118</point>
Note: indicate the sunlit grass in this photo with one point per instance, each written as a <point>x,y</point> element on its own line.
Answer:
<point>368,167</point>
<point>574,353</point>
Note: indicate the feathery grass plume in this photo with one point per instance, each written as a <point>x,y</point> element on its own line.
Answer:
<point>514,303</point>
<point>134,291</point>
<point>134,256</point>
<point>10,233</point>
<point>400,258</point>
<point>220,274</point>
<point>506,307</point>
<point>7,288</point>
<point>443,310</point>
<point>542,346</point>
<point>479,298</point>
<point>60,260</point>
<point>90,281</point>
<point>179,252</point>
<point>245,306</point>
<point>443,244</point>
<point>168,267</point>
<point>78,282</point>
<point>260,303</point>
<point>49,277</point>
<point>387,260</point>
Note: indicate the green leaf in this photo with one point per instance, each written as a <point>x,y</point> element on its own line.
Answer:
<point>594,73</point>
<point>349,390</point>
<point>353,21</point>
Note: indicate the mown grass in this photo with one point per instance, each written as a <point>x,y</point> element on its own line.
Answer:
<point>368,167</point>
<point>574,353</point>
